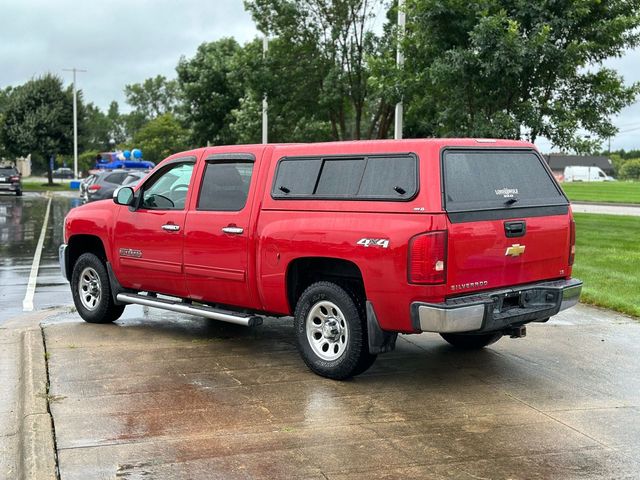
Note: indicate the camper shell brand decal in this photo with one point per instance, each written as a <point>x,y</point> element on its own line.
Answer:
<point>130,252</point>
<point>507,192</point>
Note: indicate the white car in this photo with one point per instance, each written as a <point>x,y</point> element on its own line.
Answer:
<point>586,174</point>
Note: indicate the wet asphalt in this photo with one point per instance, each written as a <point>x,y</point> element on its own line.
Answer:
<point>21,220</point>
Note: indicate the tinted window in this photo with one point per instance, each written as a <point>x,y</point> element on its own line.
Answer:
<point>297,176</point>
<point>168,189</point>
<point>6,172</point>
<point>367,177</point>
<point>477,180</point>
<point>225,186</point>
<point>115,178</point>
<point>392,177</point>
<point>340,177</point>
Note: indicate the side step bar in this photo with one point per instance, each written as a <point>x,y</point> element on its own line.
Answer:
<point>244,319</point>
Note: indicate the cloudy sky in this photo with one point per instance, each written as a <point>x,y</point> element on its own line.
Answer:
<point>125,41</point>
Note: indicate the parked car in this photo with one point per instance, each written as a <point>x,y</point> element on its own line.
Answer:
<point>585,174</point>
<point>84,185</point>
<point>103,184</point>
<point>62,172</point>
<point>10,180</point>
<point>358,241</point>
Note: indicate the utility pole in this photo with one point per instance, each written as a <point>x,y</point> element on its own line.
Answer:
<point>265,106</point>
<point>75,120</point>
<point>397,130</point>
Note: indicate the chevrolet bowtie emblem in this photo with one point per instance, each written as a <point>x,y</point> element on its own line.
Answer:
<point>515,250</point>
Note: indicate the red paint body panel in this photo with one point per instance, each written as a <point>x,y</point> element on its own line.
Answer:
<point>249,270</point>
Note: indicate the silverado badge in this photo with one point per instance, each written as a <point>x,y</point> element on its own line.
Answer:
<point>515,250</point>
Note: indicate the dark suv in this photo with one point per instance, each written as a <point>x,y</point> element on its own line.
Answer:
<point>10,180</point>
<point>103,184</point>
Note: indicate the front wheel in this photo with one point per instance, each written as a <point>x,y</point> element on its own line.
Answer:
<point>471,342</point>
<point>330,327</point>
<point>92,292</point>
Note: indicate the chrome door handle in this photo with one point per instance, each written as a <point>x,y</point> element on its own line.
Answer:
<point>233,230</point>
<point>170,227</point>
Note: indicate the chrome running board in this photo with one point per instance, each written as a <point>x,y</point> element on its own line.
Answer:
<point>244,319</point>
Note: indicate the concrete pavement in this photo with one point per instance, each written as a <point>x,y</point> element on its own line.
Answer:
<point>158,395</point>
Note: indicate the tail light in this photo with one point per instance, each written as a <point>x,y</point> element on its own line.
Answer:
<point>428,258</point>
<point>94,188</point>
<point>572,242</point>
<point>14,178</point>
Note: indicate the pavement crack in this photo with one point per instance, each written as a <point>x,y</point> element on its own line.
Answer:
<point>48,400</point>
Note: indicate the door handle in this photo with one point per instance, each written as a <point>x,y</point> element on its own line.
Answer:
<point>233,230</point>
<point>169,227</point>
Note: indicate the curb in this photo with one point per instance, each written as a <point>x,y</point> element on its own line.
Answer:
<point>36,452</point>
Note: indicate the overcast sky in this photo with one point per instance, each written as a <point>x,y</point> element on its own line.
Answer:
<point>125,41</point>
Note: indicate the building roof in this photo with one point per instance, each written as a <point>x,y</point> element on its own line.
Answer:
<point>558,161</point>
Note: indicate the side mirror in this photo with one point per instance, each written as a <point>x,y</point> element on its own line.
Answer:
<point>123,196</point>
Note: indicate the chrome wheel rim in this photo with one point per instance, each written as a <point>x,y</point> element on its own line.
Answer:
<point>327,330</point>
<point>89,288</point>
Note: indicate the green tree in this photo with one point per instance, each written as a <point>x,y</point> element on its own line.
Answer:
<point>326,46</point>
<point>631,170</point>
<point>209,92</point>
<point>161,137</point>
<point>513,68</point>
<point>96,130</point>
<point>153,97</point>
<point>38,119</point>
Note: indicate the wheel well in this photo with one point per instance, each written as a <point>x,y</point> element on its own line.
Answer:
<point>79,244</point>
<point>302,272</point>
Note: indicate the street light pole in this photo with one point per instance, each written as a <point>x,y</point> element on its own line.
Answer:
<point>75,120</point>
<point>265,106</point>
<point>397,130</point>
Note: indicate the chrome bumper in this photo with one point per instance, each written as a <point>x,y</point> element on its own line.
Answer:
<point>497,309</point>
<point>62,257</point>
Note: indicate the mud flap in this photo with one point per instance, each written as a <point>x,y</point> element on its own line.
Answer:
<point>380,341</point>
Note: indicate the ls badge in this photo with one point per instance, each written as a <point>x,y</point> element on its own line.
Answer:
<point>515,250</point>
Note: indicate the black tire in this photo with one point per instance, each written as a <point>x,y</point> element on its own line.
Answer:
<point>349,354</point>
<point>471,342</point>
<point>89,269</point>
<point>18,193</point>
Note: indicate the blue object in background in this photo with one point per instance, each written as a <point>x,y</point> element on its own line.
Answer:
<point>137,153</point>
<point>127,154</point>
<point>74,184</point>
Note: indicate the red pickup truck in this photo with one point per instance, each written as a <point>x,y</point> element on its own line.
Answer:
<point>358,241</point>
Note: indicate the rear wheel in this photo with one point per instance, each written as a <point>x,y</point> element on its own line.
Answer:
<point>330,326</point>
<point>18,193</point>
<point>471,342</point>
<point>92,292</point>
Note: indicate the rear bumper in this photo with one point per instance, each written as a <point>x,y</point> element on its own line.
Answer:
<point>11,187</point>
<point>497,309</point>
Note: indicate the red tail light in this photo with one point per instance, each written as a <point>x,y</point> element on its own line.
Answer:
<point>572,242</point>
<point>94,188</point>
<point>14,178</point>
<point>428,258</point>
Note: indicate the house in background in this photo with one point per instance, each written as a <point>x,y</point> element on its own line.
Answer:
<point>558,161</point>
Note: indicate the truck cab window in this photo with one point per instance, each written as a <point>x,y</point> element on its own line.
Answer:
<point>168,191</point>
<point>225,186</point>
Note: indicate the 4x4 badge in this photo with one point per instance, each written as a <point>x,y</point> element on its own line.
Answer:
<point>515,250</point>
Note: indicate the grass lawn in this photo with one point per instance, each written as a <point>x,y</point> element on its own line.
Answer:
<point>43,187</point>
<point>608,261</point>
<point>598,192</point>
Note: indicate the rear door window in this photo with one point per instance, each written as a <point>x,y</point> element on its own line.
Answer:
<point>497,179</point>
<point>225,186</point>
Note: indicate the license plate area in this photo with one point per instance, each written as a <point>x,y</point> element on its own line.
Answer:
<point>526,300</point>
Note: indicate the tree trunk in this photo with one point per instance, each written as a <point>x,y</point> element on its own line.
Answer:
<point>49,170</point>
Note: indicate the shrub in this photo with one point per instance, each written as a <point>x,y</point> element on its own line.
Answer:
<point>631,170</point>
